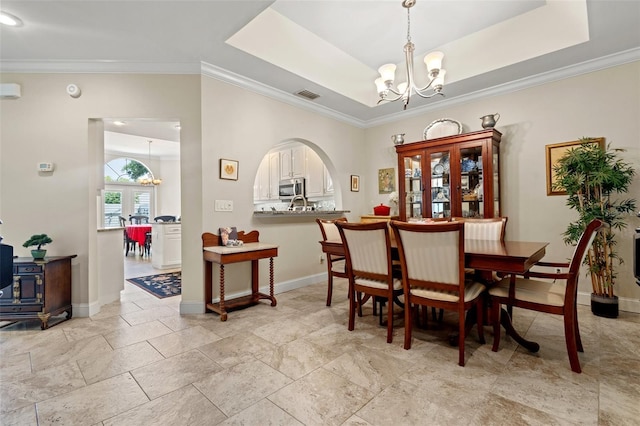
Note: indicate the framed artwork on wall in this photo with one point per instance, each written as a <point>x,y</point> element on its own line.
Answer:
<point>555,152</point>
<point>386,181</point>
<point>355,183</point>
<point>228,169</point>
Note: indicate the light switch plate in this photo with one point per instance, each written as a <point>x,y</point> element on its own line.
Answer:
<point>223,205</point>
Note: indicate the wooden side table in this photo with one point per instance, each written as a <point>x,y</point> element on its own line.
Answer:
<point>252,251</point>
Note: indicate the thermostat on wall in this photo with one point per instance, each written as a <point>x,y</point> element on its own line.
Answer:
<point>45,167</point>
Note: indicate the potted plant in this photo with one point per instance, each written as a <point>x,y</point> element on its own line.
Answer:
<point>591,174</point>
<point>38,240</point>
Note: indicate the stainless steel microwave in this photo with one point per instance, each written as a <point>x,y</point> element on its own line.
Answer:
<point>291,187</point>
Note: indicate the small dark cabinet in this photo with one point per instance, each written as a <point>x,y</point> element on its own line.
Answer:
<point>40,289</point>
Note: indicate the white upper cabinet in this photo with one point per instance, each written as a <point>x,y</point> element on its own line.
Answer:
<point>265,187</point>
<point>292,162</point>
<point>315,174</point>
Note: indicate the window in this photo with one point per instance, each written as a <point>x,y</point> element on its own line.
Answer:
<point>123,196</point>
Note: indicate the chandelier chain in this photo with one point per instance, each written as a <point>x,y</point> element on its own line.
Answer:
<point>408,24</point>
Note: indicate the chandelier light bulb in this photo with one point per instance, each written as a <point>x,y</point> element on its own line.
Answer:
<point>433,61</point>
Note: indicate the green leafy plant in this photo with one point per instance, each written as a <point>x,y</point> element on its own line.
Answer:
<point>37,240</point>
<point>590,175</point>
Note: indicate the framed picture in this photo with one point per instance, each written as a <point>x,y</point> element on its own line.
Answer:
<point>355,183</point>
<point>555,152</point>
<point>228,169</point>
<point>386,181</point>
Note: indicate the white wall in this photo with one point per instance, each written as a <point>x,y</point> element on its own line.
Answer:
<point>604,103</point>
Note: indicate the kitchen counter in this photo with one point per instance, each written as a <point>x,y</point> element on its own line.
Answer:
<point>312,213</point>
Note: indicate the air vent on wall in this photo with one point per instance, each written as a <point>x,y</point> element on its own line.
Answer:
<point>307,94</point>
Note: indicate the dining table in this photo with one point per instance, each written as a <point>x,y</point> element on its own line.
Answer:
<point>486,257</point>
<point>138,233</point>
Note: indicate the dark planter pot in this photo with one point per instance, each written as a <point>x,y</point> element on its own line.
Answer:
<point>38,254</point>
<point>602,306</point>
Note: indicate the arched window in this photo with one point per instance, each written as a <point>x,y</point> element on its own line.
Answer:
<point>125,170</point>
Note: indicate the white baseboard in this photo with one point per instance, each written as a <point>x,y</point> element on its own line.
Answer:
<point>624,304</point>
<point>83,310</point>
<point>197,307</point>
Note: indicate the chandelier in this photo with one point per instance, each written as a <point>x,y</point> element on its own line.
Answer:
<point>387,72</point>
<point>149,179</point>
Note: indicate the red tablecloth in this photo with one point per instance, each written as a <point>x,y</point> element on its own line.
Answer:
<point>138,233</point>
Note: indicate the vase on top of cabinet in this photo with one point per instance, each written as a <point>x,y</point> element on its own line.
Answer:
<point>458,176</point>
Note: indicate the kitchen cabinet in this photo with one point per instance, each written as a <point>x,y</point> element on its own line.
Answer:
<point>40,289</point>
<point>450,176</point>
<point>267,179</point>
<point>166,242</point>
<point>292,162</point>
<point>314,175</point>
<point>319,182</point>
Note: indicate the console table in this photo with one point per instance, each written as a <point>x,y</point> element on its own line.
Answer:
<point>40,289</point>
<point>251,250</point>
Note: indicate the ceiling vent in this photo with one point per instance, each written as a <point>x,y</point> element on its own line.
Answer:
<point>307,94</point>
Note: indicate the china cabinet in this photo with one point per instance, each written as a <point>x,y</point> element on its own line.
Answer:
<point>450,176</point>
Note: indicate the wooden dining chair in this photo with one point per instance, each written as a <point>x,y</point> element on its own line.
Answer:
<point>554,297</point>
<point>336,264</point>
<point>127,243</point>
<point>432,262</point>
<point>369,268</point>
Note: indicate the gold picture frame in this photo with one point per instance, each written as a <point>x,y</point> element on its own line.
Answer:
<point>386,181</point>
<point>228,169</point>
<point>355,183</point>
<point>556,151</point>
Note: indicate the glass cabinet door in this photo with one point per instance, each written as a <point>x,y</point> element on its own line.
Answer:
<point>471,182</point>
<point>413,186</point>
<point>440,184</point>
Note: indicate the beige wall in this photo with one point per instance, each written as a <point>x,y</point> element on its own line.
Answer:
<point>244,126</point>
<point>604,103</point>
<point>46,124</point>
<point>223,121</point>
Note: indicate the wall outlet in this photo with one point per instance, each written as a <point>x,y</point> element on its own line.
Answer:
<point>321,258</point>
<point>223,206</point>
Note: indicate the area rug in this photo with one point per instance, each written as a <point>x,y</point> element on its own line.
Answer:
<point>160,285</point>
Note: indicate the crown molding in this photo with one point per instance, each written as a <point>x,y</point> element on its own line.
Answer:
<point>209,70</point>
<point>100,66</point>
<point>620,58</point>
<point>238,80</point>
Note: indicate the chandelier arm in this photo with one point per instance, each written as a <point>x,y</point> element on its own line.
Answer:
<point>429,96</point>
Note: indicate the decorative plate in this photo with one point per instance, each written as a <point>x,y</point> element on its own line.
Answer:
<point>441,128</point>
<point>438,169</point>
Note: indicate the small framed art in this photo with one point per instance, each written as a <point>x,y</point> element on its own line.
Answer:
<point>386,181</point>
<point>228,169</point>
<point>355,183</point>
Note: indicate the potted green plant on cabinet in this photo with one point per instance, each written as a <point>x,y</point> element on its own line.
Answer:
<point>590,174</point>
<point>38,240</point>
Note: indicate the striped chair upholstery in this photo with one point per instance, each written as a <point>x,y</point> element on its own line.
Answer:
<point>336,265</point>
<point>369,267</point>
<point>432,262</point>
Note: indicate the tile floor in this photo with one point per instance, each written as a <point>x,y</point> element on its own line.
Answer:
<point>138,362</point>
